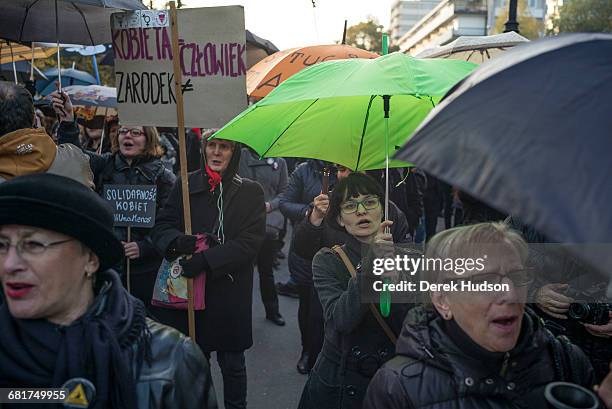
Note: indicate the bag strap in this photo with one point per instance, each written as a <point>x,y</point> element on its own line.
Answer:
<point>381,321</point>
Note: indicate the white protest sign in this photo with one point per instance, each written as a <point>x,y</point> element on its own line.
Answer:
<point>213,63</point>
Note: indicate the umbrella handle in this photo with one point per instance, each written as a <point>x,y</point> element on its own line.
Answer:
<point>59,66</point>
<point>325,181</point>
<point>385,300</point>
<point>385,296</point>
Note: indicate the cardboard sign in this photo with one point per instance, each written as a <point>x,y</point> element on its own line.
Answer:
<point>133,205</point>
<point>212,52</point>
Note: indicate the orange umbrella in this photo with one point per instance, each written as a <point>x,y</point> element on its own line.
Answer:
<point>264,76</point>
<point>10,52</point>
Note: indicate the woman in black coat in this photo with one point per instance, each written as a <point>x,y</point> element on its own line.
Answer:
<point>355,344</point>
<point>232,209</point>
<point>66,321</point>
<point>476,349</point>
<point>134,160</point>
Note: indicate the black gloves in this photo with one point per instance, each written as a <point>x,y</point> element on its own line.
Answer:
<point>197,264</point>
<point>185,244</point>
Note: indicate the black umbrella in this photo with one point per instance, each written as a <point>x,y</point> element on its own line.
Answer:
<point>61,21</point>
<point>80,21</point>
<point>530,133</point>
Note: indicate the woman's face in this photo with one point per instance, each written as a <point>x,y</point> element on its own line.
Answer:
<point>132,141</point>
<point>113,130</point>
<point>94,133</point>
<point>361,216</point>
<point>492,319</point>
<point>39,283</point>
<point>219,154</point>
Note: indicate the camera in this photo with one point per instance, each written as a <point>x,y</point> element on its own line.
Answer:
<point>590,305</point>
<point>590,313</point>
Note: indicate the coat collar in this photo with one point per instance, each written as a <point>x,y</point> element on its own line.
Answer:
<point>149,168</point>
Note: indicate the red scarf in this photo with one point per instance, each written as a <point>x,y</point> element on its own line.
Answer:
<point>214,178</point>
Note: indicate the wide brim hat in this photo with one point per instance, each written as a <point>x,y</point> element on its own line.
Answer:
<point>65,206</point>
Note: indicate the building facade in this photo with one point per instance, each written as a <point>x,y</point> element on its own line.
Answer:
<point>447,21</point>
<point>405,14</point>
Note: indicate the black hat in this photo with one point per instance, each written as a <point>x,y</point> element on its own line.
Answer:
<point>65,206</point>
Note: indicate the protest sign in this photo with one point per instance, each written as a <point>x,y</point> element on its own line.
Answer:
<point>133,205</point>
<point>212,54</point>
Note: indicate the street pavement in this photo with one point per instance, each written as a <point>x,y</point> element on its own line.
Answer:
<point>273,380</point>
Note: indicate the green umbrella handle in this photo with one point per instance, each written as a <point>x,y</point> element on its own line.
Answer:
<point>385,300</point>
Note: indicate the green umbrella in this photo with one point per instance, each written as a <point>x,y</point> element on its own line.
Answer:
<point>354,112</point>
<point>333,111</point>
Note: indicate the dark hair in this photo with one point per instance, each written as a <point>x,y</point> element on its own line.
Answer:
<point>16,108</point>
<point>351,186</point>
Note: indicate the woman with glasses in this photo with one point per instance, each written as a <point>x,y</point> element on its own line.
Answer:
<point>476,349</point>
<point>355,344</point>
<point>134,160</point>
<point>65,319</point>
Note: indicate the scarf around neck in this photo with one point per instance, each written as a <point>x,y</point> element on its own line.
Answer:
<point>99,346</point>
<point>214,178</point>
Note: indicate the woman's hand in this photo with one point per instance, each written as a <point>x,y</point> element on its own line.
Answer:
<point>321,205</point>
<point>62,106</point>
<point>384,246</point>
<point>131,249</point>
<point>550,299</point>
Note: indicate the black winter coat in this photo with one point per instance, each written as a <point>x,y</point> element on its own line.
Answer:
<point>226,323</point>
<point>355,344</point>
<point>432,371</point>
<point>304,185</point>
<point>113,169</point>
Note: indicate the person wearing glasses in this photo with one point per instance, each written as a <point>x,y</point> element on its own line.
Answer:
<point>476,349</point>
<point>314,233</point>
<point>134,160</point>
<point>355,343</point>
<point>66,320</point>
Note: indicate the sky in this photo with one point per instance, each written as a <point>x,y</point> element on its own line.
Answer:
<point>295,23</point>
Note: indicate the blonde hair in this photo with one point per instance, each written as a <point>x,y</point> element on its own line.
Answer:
<point>469,241</point>
<point>152,148</point>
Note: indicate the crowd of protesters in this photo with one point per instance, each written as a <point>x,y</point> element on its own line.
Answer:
<point>65,311</point>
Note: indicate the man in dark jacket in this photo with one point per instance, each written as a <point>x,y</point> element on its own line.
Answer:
<point>304,185</point>
<point>25,150</point>
<point>231,209</point>
<point>271,174</point>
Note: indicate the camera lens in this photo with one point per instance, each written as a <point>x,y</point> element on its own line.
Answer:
<point>578,311</point>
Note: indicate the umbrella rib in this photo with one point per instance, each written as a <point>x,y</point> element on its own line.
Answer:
<point>363,131</point>
<point>288,126</point>
<point>84,21</point>
<point>25,18</point>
